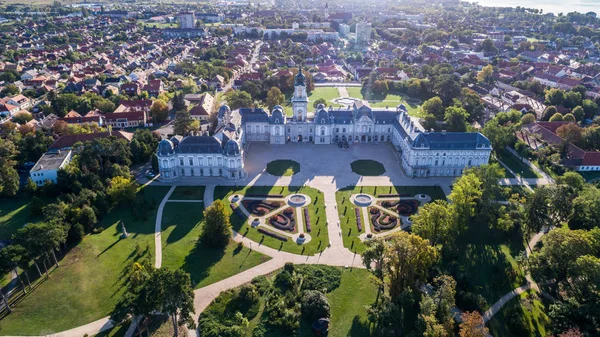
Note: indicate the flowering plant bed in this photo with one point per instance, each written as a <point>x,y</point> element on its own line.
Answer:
<point>358,219</point>
<point>382,221</point>
<point>406,207</point>
<point>260,207</point>
<point>285,221</point>
<point>272,234</point>
<point>307,220</point>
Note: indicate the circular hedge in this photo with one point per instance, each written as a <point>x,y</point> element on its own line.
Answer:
<point>283,168</point>
<point>367,167</point>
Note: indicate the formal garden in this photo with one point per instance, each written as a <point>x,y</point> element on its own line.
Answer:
<point>291,219</point>
<point>367,212</point>
<point>367,167</point>
<point>282,167</point>
<point>295,301</point>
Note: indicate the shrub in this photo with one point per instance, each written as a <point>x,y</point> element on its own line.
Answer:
<point>283,280</point>
<point>315,305</point>
<point>319,277</point>
<point>261,283</point>
<point>307,220</point>
<point>272,234</point>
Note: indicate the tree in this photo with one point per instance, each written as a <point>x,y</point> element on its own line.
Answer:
<point>549,112</point>
<point>447,88</point>
<point>434,106</point>
<point>275,97</point>
<point>569,118</point>
<point>22,118</point>
<point>586,209</point>
<point>472,325</point>
<point>179,101</point>
<point>319,101</point>
<point>9,178</point>
<point>315,305</point>
<point>486,75</point>
<point>183,122</point>
<point>578,113</point>
<point>13,257</point>
<point>456,118</point>
<point>466,193</point>
<point>557,117</point>
<point>216,230</point>
<point>159,111</point>
<point>434,222</point>
<point>572,99</point>
<point>40,240</point>
<point>528,119</point>
<point>555,97</point>
<point>435,318</point>
<point>537,212</point>
<point>121,190</point>
<point>177,296</point>
<point>239,99</point>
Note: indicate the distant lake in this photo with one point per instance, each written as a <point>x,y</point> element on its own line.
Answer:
<point>549,6</point>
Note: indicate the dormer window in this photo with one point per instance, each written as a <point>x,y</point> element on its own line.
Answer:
<point>277,120</point>
<point>322,120</point>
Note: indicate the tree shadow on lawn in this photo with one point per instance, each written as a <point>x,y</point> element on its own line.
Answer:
<point>359,328</point>
<point>200,262</point>
<point>183,218</point>
<point>21,216</point>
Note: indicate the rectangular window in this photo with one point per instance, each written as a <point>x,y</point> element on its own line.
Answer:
<point>209,161</point>
<point>344,130</point>
<point>191,160</point>
<point>192,172</point>
<point>181,162</point>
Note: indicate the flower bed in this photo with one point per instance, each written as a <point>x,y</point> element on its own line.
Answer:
<point>285,221</point>
<point>307,220</point>
<point>382,221</point>
<point>260,207</point>
<point>264,195</point>
<point>238,211</point>
<point>407,207</point>
<point>358,219</point>
<point>272,234</point>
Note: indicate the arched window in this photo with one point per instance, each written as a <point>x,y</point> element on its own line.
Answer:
<point>322,120</point>
<point>322,131</point>
<point>276,131</point>
<point>277,120</point>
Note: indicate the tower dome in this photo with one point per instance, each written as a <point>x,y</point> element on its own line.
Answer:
<point>165,147</point>
<point>300,78</point>
<point>223,110</point>
<point>232,148</point>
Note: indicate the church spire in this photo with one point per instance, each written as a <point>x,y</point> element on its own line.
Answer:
<point>300,78</point>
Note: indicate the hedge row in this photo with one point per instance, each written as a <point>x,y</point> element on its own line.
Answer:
<point>307,219</point>
<point>358,221</point>
<point>264,195</point>
<point>272,234</point>
<point>394,195</point>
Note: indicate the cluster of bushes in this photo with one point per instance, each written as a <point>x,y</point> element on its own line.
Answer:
<point>382,221</point>
<point>285,220</point>
<point>393,195</point>
<point>274,235</point>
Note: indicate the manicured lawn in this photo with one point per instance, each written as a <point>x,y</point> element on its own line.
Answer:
<point>348,314</point>
<point>182,225</point>
<point>350,231</point>
<point>188,193</point>
<point>283,168</point>
<point>158,24</point>
<point>516,165</point>
<point>14,214</point>
<point>367,168</point>
<point>327,93</point>
<point>320,237</point>
<point>90,279</point>
<point>526,310</point>
<point>390,101</point>
<point>117,331</point>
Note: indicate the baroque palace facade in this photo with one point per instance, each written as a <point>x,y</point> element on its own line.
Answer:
<point>423,154</point>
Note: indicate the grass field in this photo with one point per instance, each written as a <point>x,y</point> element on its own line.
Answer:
<point>182,225</point>
<point>89,281</point>
<point>527,311</point>
<point>188,193</point>
<point>350,231</point>
<point>367,168</point>
<point>516,165</point>
<point>320,237</point>
<point>283,168</point>
<point>327,93</point>
<point>14,214</point>
<point>158,24</point>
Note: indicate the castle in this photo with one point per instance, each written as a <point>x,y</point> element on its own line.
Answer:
<point>422,153</point>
